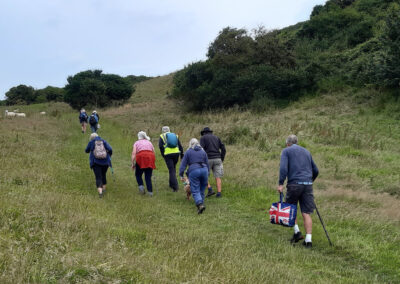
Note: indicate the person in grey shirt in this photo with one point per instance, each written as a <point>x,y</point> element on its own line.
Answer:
<point>216,152</point>
<point>300,170</point>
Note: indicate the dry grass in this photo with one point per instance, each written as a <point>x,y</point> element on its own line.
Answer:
<point>53,228</point>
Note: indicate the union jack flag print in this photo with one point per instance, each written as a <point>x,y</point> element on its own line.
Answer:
<point>283,214</point>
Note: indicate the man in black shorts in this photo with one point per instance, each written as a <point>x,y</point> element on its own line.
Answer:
<point>299,168</point>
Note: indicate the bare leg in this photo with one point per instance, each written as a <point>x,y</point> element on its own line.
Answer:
<point>219,184</point>
<point>307,223</point>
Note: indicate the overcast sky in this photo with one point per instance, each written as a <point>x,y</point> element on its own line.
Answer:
<point>44,41</point>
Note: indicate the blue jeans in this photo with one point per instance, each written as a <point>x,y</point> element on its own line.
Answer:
<point>93,128</point>
<point>198,182</point>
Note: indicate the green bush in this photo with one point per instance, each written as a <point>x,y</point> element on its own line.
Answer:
<point>96,89</point>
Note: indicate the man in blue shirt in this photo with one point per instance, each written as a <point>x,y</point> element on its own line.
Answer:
<point>300,170</point>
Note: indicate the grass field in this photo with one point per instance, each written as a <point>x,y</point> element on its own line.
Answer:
<point>54,228</point>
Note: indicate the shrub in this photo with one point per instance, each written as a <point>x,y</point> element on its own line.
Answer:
<point>97,89</point>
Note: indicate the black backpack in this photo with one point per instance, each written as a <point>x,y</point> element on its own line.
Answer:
<point>92,120</point>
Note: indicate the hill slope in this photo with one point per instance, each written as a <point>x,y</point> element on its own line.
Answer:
<point>54,228</point>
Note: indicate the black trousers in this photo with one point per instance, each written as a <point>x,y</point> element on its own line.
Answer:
<point>100,174</point>
<point>147,176</point>
<point>171,160</point>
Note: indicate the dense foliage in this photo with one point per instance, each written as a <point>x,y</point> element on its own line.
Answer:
<point>85,88</point>
<point>344,43</point>
<point>20,94</point>
<point>137,79</point>
<point>27,95</point>
<point>94,88</point>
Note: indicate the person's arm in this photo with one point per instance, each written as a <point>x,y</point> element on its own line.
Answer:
<point>223,150</point>
<point>183,166</point>
<point>315,170</point>
<point>283,170</point>
<point>88,147</point>
<point>108,148</point>
<point>206,159</point>
<point>161,146</point>
<point>202,144</point>
<point>133,156</point>
<point>180,148</point>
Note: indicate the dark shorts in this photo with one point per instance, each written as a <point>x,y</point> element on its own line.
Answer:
<point>303,194</point>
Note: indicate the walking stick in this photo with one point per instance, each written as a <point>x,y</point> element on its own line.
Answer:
<point>112,170</point>
<point>112,173</point>
<point>323,225</point>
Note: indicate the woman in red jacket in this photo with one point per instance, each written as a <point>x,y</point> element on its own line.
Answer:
<point>143,161</point>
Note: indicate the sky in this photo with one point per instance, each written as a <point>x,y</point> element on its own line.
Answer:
<point>42,42</point>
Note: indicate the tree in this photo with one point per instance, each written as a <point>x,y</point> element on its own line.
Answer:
<point>21,94</point>
<point>49,94</point>
<point>117,88</point>
<point>391,42</point>
<point>91,87</point>
<point>137,79</point>
<point>232,48</point>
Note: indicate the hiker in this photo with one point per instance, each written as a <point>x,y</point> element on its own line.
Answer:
<point>171,149</point>
<point>83,119</point>
<point>100,159</point>
<point>196,159</point>
<point>300,170</point>
<point>216,151</point>
<point>94,121</point>
<point>143,161</point>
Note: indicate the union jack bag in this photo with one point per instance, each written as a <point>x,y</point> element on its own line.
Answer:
<point>282,213</point>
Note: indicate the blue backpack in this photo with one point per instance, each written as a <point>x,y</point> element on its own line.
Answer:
<point>83,116</point>
<point>172,140</point>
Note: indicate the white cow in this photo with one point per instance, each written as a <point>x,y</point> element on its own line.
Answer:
<point>42,112</point>
<point>20,114</point>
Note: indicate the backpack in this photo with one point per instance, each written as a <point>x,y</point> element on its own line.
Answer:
<point>83,116</point>
<point>99,151</point>
<point>171,140</point>
<point>92,120</point>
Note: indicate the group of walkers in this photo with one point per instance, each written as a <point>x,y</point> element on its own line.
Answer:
<point>202,157</point>
<point>93,121</point>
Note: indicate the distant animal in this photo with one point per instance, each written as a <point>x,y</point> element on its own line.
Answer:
<point>187,188</point>
<point>42,112</point>
<point>20,114</point>
<point>16,110</point>
<point>9,113</point>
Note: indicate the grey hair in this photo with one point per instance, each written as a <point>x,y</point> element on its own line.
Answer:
<point>165,129</point>
<point>193,143</point>
<point>93,135</point>
<point>292,139</point>
<point>143,135</point>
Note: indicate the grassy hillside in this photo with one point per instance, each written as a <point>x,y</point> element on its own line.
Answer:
<point>54,228</point>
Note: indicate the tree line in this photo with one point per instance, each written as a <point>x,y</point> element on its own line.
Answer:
<point>344,43</point>
<point>87,88</point>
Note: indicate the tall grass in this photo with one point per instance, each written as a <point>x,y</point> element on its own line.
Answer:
<point>54,228</point>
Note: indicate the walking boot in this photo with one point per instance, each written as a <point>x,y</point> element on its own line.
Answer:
<point>296,237</point>
<point>200,208</point>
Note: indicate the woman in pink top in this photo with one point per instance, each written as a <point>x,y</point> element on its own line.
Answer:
<point>143,161</point>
